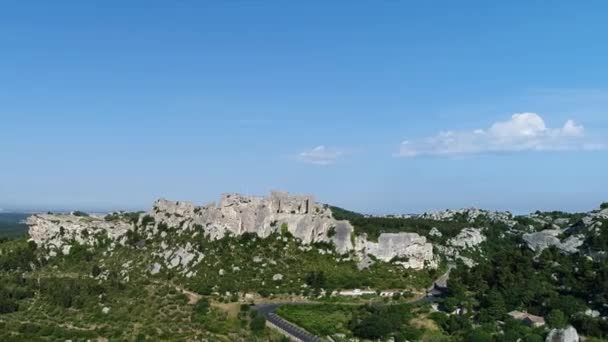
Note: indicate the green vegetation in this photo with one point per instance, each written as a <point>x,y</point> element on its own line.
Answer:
<point>555,286</point>
<point>604,205</point>
<point>57,300</point>
<point>560,214</point>
<point>374,226</point>
<point>102,292</point>
<point>363,321</point>
<point>299,266</point>
<point>258,323</point>
<point>124,216</point>
<point>92,293</point>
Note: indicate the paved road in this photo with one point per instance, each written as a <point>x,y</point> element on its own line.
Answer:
<point>268,311</point>
<point>433,294</point>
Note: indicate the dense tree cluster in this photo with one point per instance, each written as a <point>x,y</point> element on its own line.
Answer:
<point>553,285</point>
<point>381,321</point>
<point>373,226</point>
<point>17,256</point>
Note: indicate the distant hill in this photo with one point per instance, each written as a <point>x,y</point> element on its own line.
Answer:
<point>12,224</point>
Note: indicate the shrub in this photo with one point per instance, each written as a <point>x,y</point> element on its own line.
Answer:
<point>556,319</point>
<point>8,306</point>
<point>258,323</point>
<point>147,220</point>
<point>202,307</point>
<point>95,271</point>
<point>284,229</point>
<point>331,232</point>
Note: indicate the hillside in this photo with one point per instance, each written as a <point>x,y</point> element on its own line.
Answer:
<point>186,272</point>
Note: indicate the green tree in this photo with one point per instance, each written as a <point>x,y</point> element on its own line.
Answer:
<point>533,338</point>
<point>201,309</point>
<point>258,323</point>
<point>496,304</point>
<point>479,336</point>
<point>284,229</point>
<point>8,306</point>
<point>557,319</point>
<point>95,271</point>
<point>202,306</point>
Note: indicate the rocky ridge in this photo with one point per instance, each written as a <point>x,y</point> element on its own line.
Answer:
<point>233,215</point>
<point>307,221</point>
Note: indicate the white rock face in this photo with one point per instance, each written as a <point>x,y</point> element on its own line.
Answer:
<point>55,231</point>
<point>470,214</point>
<point>467,238</point>
<point>563,335</point>
<point>105,310</point>
<point>410,246</point>
<point>592,313</point>
<point>435,232</point>
<point>235,214</point>
<point>549,237</point>
<point>155,268</point>
<point>277,277</point>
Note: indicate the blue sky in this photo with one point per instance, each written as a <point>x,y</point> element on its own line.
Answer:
<point>107,105</point>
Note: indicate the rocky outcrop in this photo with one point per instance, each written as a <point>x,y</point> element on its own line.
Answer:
<point>466,241</point>
<point>234,214</point>
<point>470,214</point>
<point>467,238</point>
<point>539,241</point>
<point>435,232</point>
<point>408,249</point>
<point>563,335</point>
<point>55,231</point>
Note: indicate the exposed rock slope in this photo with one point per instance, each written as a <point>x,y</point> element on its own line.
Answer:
<point>235,214</point>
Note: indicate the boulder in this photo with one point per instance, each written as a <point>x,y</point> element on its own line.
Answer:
<point>563,335</point>
<point>236,214</point>
<point>412,249</point>
<point>467,238</point>
<point>435,232</point>
<point>549,237</point>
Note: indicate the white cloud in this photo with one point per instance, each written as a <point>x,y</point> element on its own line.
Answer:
<point>523,132</point>
<point>320,155</point>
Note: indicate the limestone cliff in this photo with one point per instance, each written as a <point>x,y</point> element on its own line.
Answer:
<point>234,214</point>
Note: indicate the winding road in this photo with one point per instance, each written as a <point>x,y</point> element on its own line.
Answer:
<point>291,329</point>
<point>268,310</point>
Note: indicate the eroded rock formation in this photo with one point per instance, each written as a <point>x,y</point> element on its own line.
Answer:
<point>538,241</point>
<point>408,249</point>
<point>563,335</point>
<point>234,214</point>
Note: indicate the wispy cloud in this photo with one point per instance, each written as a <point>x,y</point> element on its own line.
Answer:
<point>320,155</point>
<point>522,132</point>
